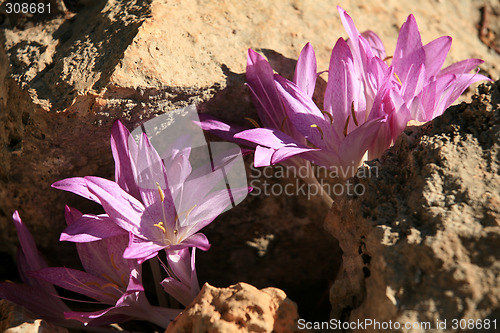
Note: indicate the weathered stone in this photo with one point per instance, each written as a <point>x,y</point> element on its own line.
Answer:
<point>239,308</point>
<point>16,319</point>
<point>422,243</point>
<point>67,77</point>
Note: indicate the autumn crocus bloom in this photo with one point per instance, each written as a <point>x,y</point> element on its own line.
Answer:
<point>422,90</point>
<point>108,278</point>
<point>39,297</point>
<point>170,205</point>
<point>367,103</point>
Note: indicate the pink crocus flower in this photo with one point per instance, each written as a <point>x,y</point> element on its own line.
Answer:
<point>108,278</point>
<point>39,297</point>
<point>367,102</point>
<point>167,204</point>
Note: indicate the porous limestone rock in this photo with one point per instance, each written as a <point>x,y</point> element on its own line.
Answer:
<point>238,308</point>
<point>66,76</point>
<point>422,243</point>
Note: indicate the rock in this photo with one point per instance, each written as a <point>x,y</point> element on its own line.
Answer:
<point>16,319</point>
<point>238,308</point>
<point>66,78</point>
<point>422,243</point>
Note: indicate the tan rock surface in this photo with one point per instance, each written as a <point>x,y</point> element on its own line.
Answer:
<point>422,243</point>
<point>238,308</point>
<point>67,77</point>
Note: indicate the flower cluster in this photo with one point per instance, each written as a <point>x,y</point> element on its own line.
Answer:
<point>367,102</point>
<point>155,204</point>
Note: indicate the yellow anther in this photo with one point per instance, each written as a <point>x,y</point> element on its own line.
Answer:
<point>162,195</point>
<point>387,58</point>
<point>329,116</point>
<point>354,114</point>
<point>256,124</point>
<point>319,129</point>
<point>92,283</point>
<point>175,231</point>
<point>346,124</point>
<point>397,77</point>
<point>160,225</point>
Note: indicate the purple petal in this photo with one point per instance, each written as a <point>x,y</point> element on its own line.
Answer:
<point>260,80</point>
<point>90,228</point>
<point>409,49</point>
<point>262,156</point>
<point>306,70</point>
<point>340,89</point>
<point>27,245</point>
<point>350,28</point>
<point>435,55</point>
<point>71,215</point>
<point>80,282</point>
<point>45,305</point>
<point>268,137</point>
<point>76,185</point>
<point>123,208</point>
<point>206,210</point>
<point>375,43</point>
<point>288,152</point>
<point>178,290</point>
<point>180,263</point>
<point>29,258</point>
<point>198,240</point>
<point>461,67</point>
<point>356,143</point>
<point>124,149</point>
<point>152,177</point>
<point>304,114</point>
<point>141,249</point>
<point>222,130</point>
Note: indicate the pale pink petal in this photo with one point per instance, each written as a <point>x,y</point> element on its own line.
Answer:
<point>306,70</point>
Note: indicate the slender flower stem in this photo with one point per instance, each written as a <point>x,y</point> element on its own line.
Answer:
<point>155,268</point>
<point>310,179</point>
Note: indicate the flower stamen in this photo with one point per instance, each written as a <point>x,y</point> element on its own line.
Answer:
<point>162,195</point>
<point>282,126</point>
<point>255,123</point>
<point>397,77</point>
<point>160,225</point>
<point>329,116</point>
<point>354,114</point>
<point>346,124</point>
<point>319,129</point>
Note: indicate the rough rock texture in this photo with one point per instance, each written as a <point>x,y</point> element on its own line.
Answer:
<point>422,243</point>
<point>239,308</point>
<point>16,319</point>
<point>67,76</point>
